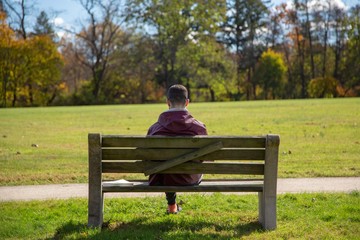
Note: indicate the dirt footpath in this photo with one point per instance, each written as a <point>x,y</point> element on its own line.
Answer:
<point>64,191</point>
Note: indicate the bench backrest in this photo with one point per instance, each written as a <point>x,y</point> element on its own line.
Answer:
<point>151,154</point>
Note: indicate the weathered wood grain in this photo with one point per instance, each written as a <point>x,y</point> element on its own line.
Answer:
<point>188,168</point>
<point>169,153</point>
<point>161,166</point>
<point>95,201</point>
<point>181,142</point>
<point>203,187</point>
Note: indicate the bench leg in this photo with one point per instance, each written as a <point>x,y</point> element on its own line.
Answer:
<point>261,208</point>
<point>96,196</point>
<point>267,211</point>
<point>267,198</point>
<point>95,211</point>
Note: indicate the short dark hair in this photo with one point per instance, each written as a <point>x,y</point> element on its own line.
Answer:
<point>177,94</point>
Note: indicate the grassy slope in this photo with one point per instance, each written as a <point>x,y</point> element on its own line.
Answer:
<point>218,216</point>
<point>321,134</point>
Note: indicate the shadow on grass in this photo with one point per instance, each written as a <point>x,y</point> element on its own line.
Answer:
<point>144,228</point>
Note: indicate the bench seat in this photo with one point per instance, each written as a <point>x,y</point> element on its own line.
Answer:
<point>205,186</point>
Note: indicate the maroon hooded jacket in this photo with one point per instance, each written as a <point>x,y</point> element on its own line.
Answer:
<point>176,123</point>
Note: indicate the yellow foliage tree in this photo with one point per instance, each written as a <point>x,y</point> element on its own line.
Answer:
<point>6,35</point>
<point>44,70</point>
<point>29,69</point>
<point>270,74</point>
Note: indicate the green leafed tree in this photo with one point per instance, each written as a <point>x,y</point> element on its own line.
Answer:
<point>207,68</point>
<point>173,25</point>
<point>242,34</point>
<point>95,43</point>
<point>43,25</point>
<point>351,63</point>
<point>132,64</point>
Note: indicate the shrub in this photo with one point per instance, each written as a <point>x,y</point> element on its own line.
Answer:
<point>322,87</point>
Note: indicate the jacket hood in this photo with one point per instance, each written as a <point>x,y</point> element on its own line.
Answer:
<point>177,122</point>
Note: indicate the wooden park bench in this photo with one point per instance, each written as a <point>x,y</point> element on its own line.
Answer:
<point>253,160</point>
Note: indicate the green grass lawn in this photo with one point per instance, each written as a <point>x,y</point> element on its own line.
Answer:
<point>319,137</point>
<point>217,216</point>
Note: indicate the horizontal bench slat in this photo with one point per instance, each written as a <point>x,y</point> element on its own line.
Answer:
<point>195,168</point>
<point>165,154</point>
<point>181,142</point>
<point>203,187</point>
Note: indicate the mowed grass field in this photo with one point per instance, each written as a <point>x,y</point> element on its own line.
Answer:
<point>216,216</point>
<point>319,137</point>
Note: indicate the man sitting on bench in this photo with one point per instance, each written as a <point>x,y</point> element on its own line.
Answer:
<point>176,121</point>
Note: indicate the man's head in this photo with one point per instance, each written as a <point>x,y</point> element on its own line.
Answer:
<point>177,96</point>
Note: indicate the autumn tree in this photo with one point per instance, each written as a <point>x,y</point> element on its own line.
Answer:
<point>29,68</point>
<point>280,41</point>
<point>295,49</point>
<point>270,74</point>
<point>44,68</point>
<point>74,73</point>
<point>18,15</point>
<point>36,58</point>
<point>322,87</point>
<point>12,63</point>
<point>6,52</point>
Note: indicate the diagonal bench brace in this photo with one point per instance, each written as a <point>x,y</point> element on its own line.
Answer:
<point>184,158</point>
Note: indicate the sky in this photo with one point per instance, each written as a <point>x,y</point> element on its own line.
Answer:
<point>67,13</point>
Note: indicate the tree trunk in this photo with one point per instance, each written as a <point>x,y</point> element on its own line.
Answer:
<point>96,87</point>
<point>188,88</point>
<point>166,75</point>
<point>324,56</point>
<point>14,97</point>
<point>238,75</point>
<point>301,59</point>
<point>53,96</point>
<point>290,89</point>
<point>325,46</point>
<point>337,55</point>
<point>31,93</point>
<point>302,72</point>
<point>5,81</point>
<point>248,85</point>
<point>212,94</point>
<point>309,35</point>
<point>338,43</point>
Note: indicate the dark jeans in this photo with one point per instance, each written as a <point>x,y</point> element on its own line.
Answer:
<point>171,198</point>
<point>174,180</point>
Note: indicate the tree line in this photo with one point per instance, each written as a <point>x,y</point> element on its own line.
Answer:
<point>131,51</point>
